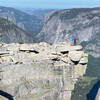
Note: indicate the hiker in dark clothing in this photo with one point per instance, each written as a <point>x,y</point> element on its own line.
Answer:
<point>75,39</point>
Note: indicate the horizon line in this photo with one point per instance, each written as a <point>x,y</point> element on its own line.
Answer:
<point>17,7</point>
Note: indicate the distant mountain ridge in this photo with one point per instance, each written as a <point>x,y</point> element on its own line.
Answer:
<point>39,13</point>
<point>10,33</point>
<point>29,23</point>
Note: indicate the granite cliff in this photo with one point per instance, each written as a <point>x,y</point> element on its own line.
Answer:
<point>30,23</point>
<point>40,71</point>
<point>10,33</point>
<point>84,23</point>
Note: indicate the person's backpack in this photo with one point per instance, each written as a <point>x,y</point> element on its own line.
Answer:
<point>72,39</point>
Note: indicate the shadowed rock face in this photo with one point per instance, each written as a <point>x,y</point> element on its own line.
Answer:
<point>83,23</point>
<point>10,33</point>
<point>30,23</point>
<point>94,93</point>
<point>40,71</point>
<point>5,96</point>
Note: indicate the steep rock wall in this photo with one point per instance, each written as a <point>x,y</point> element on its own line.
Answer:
<point>84,23</point>
<point>40,71</point>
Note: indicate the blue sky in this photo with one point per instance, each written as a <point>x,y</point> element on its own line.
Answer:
<point>51,3</point>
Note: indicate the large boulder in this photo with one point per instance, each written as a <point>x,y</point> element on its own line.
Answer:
<point>75,55</point>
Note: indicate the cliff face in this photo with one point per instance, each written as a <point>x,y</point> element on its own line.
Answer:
<point>9,33</point>
<point>83,23</point>
<point>29,23</point>
<point>40,71</point>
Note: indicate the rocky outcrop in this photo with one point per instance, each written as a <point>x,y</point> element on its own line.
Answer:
<point>84,23</point>
<point>40,71</point>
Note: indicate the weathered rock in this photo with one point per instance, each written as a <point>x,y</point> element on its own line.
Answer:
<point>62,48</point>
<point>49,74</point>
<point>25,47</point>
<point>75,55</point>
<point>3,52</point>
<point>1,44</point>
<point>2,98</point>
<point>84,23</point>
<point>83,60</point>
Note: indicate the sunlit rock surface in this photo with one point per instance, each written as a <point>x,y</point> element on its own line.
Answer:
<point>40,71</point>
<point>98,95</point>
<point>84,23</point>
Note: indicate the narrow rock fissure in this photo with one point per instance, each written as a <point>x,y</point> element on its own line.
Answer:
<point>65,52</point>
<point>55,59</point>
<point>34,51</point>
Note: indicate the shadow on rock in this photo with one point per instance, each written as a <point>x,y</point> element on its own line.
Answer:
<point>92,94</point>
<point>6,95</point>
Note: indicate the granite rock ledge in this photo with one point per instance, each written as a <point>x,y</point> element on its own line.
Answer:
<point>40,71</point>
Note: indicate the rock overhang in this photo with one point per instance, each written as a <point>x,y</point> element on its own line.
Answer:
<point>52,63</point>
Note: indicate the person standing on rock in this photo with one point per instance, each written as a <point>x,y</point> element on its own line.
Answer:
<point>74,39</point>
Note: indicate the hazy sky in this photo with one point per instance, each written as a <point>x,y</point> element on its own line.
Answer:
<point>51,3</point>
